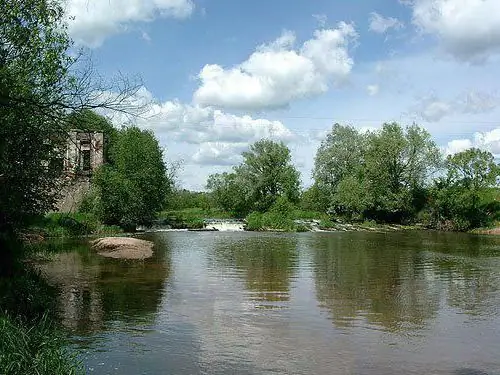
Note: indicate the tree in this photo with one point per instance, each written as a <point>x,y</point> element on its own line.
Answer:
<point>230,193</point>
<point>398,165</point>
<point>265,175</point>
<point>340,155</point>
<point>467,197</point>
<point>268,172</point>
<point>379,175</point>
<point>134,186</point>
<point>40,84</point>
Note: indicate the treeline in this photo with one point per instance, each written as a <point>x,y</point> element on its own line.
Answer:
<point>392,175</point>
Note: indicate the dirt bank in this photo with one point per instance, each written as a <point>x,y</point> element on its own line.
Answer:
<point>123,248</point>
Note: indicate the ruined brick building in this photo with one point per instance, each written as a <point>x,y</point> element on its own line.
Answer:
<point>83,155</point>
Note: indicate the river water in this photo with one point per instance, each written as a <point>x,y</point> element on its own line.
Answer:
<point>269,303</point>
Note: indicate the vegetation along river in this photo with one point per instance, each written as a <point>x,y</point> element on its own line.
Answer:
<point>276,303</point>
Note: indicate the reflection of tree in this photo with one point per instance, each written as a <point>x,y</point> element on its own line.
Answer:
<point>267,263</point>
<point>371,276</point>
<point>97,290</point>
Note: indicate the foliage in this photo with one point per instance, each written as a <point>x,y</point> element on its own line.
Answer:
<point>134,186</point>
<point>314,199</point>
<point>254,221</point>
<point>33,75</point>
<point>181,199</point>
<point>268,171</point>
<point>341,154</point>
<point>279,217</point>
<point>72,224</point>
<point>41,82</point>
<point>265,175</point>
<point>230,192</point>
<point>380,175</point>
<point>467,197</point>
<point>190,218</point>
<point>31,342</point>
<point>35,349</point>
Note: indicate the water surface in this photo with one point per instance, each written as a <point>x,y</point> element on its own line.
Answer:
<point>312,303</point>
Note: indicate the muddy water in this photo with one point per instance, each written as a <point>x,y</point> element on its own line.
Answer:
<point>313,303</point>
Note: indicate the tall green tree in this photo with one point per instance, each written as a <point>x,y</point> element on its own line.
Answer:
<point>341,154</point>
<point>398,165</point>
<point>135,185</point>
<point>41,82</point>
<point>378,175</point>
<point>268,171</point>
<point>266,174</point>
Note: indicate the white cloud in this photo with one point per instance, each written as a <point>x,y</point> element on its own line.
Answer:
<point>90,22</point>
<point>381,24</point>
<point>217,133</point>
<point>219,153</point>
<point>433,109</point>
<point>468,29</point>
<point>276,74</point>
<point>372,89</point>
<point>489,141</point>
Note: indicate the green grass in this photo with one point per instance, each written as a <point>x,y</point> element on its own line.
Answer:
<point>72,224</point>
<point>30,339</point>
<point>36,348</point>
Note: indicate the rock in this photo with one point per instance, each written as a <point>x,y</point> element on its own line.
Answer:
<point>123,248</point>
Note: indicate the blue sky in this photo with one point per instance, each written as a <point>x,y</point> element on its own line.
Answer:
<point>221,74</point>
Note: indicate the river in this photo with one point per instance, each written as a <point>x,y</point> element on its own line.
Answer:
<point>276,303</point>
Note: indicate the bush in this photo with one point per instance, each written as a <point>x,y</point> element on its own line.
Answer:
<point>254,221</point>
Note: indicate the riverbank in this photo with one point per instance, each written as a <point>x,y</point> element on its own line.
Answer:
<point>61,225</point>
<point>31,340</point>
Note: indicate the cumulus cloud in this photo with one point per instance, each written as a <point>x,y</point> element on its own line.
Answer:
<point>468,29</point>
<point>90,22</point>
<point>219,135</point>
<point>277,73</point>
<point>380,24</point>
<point>489,141</point>
<point>219,153</point>
<point>433,109</point>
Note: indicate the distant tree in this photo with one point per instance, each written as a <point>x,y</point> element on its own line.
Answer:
<point>132,189</point>
<point>378,175</point>
<point>268,171</point>
<point>398,166</point>
<point>468,196</point>
<point>230,193</point>
<point>314,199</point>
<point>266,174</point>
<point>341,154</point>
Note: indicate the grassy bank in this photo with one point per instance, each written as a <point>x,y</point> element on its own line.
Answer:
<point>31,341</point>
<point>70,225</point>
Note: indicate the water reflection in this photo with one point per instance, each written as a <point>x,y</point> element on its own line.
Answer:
<point>397,282</point>
<point>267,264</point>
<point>97,291</point>
<point>400,303</point>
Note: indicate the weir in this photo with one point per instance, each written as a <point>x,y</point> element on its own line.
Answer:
<point>225,225</point>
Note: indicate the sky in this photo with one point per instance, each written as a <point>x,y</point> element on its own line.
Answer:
<point>222,74</point>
